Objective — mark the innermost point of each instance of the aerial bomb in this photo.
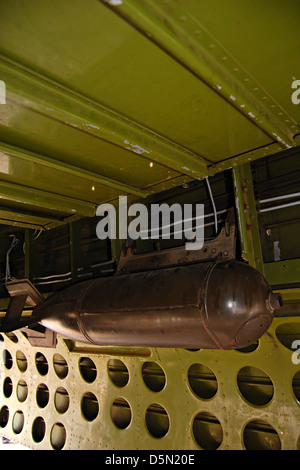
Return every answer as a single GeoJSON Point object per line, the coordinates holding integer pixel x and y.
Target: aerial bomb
{"type": "Point", "coordinates": [209, 305]}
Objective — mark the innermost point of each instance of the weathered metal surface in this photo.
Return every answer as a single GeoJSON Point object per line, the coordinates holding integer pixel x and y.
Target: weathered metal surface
{"type": "Point", "coordinates": [221, 247]}
{"type": "Point", "coordinates": [233, 399]}
{"type": "Point", "coordinates": [149, 95]}
{"type": "Point", "coordinates": [221, 393]}
{"type": "Point", "coordinates": [209, 305]}
{"type": "Point", "coordinates": [178, 30]}
{"type": "Point", "coordinates": [247, 217]}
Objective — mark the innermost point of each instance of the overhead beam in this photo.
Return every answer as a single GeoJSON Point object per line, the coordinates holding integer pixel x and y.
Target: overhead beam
{"type": "Point", "coordinates": [33, 220]}
{"type": "Point", "coordinates": [39, 93]}
{"type": "Point", "coordinates": [16, 222]}
{"type": "Point", "coordinates": [31, 197]}
{"type": "Point", "coordinates": [70, 169]}
{"type": "Point", "coordinates": [182, 36]}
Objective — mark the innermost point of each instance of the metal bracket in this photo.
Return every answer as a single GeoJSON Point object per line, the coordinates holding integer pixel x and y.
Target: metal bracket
{"type": "Point", "coordinates": [22, 292]}
{"type": "Point", "coordinates": [247, 217]}
{"type": "Point", "coordinates": [221, 247]}
{"type": "Point", "coordinates": [40, 336]}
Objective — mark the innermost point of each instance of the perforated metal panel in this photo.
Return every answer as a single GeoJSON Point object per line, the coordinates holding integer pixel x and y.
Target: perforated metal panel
{"type": "Point", "coordinates": [74, 397]}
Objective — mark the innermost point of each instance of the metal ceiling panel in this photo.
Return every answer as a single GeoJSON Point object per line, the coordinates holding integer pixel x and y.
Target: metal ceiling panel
{"type": "Point", "coordinates": [106, 98]}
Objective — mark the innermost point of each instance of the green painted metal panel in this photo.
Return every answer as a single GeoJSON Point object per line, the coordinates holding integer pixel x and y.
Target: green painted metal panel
{"type": "Point", "coordinates": [137, 96]}
{"type": "Point", "coordinates": [128, 398]}
{"type": "Point", "coordinates": [283, 272]}
{"type": "Point", "coordinates": [155, 399]}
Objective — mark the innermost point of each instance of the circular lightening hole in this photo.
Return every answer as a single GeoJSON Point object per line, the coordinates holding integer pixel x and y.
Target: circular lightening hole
{"type": "Point", "coordinates": [202, 381]}
{"type": "Point", "coordinates": [7, 359]}
{"type": "Point", "coordinates": [255, 385]}
{"type": "Point", "coordinates": [18, 422]}
{"type": "Point", "coordinates": [38, 429]}
{"type": "Point", "coordinates": [260, 435]}
{"type": "Point", "coordinates": [12, 336]}
{"type": "Point", "coordinates": [4, 416]}
{"type": "Point", "coordinates": [118, 372]}
{"type": "Point", "coordinates": [42, 395]}
{"type": "Point", "coordinates": [89, 406]}
{"type": "Point", "coordinates": [61, 400]}
{"type": "Point", "coordinates": [41, 363]}
{"type": "Point", "coordinates": [207, 431]}
{"type": "Point", "coordinates": [287, 334]}
{"type": "Point", "coordinates": [7, 387]}
{"type": "Point", "coordinates": [87, 369]}
{"type": "Point", "coordinates": [247, 349]}
{"type": "Point", "coordinates": [21, 361]}
{"type": "Point", "coordinates": [58, 436]}
{"type": "Point", "coordinates": [121, 413]}
{"type": "Point", "coordinates": [154, 376]}
{"type": "Point", "coordinates": [60, 366]}
{"type": "Point", "coordinates": [22, 390]}
{"type": "Point", "coordinates": [157, 420]}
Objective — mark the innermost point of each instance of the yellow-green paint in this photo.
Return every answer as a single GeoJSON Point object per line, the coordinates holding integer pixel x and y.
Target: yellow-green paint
{"type": "Point", "coordinates": [106, 100]}
{"type": "Point", "coordinates": [137, 97]}
{"type": "Point", "coordinates": [247, 217]}
{"type": "Point", "coordinates": [197, 399]}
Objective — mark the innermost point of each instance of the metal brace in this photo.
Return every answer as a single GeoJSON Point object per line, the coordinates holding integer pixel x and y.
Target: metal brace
{"type": "Point", "coordinates": [221, 247]}
{"type": "Point", "coordinates": [22, 292]}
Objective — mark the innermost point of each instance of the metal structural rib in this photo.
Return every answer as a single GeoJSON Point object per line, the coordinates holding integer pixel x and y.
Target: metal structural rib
{"type": "Point", "coordinates": [173, 28]}
{"type": "Point", "coordinates": [37, 92]}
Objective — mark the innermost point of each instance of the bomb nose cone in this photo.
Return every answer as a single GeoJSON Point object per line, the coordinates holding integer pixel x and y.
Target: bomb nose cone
{"type": "Point", "coordinates": [239, 304]}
